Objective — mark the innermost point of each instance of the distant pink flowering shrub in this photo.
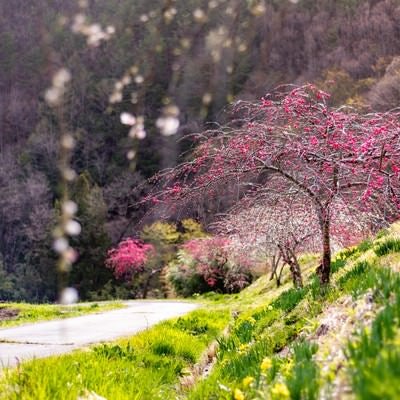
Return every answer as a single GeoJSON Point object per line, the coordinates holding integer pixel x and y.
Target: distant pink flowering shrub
{"type": "Point", "coordinates": [206, 264]}
{"type": "Point", "coordinates": [128, 257]}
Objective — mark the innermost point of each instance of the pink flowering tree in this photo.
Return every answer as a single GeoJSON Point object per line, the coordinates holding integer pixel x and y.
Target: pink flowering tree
{"type": "Point", "coordinates": [293, 143]}
{"type": "Point", "coordinates": [132, 258]}
{"type": "Point", "coordinates": [206, 264]}
{"type": "Point", "coordinates": [278, 227]}
{"type": "Point", "coordinates": [211, 258]}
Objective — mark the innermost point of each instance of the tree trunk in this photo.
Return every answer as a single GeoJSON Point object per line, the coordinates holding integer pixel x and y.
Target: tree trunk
{"type": "Point", "coordinates": [275, 265]}
{"type": "Point", "coordinates": [166, 288]}
{"type": "Point", "coordinates": [295, 268]}
{"type": "Point", "coordinates": [289, 257]}
{"type": "Point", "coordinates": [148, 280]}
{"type": "Point", "coordinates": [146, 286]}
{"type": "Point", "coordinates": [279, 276]}
{"type": "Point", "coordinates": [296, 274]}
{"type": "Point", "coordinates": [324, 270]}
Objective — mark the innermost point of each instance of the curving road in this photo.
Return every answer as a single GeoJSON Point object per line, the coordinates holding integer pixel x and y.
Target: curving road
{"type": "Point", "coordinates": [43, 339]}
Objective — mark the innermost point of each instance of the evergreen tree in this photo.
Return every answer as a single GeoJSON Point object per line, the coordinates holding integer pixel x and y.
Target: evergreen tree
{"type": "Point", "coordinates": [88, 273]}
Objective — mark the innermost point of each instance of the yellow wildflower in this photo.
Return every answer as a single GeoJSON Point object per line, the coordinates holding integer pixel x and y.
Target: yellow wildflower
{"type": "Point", "coordinates": [243, 347]}
{"type": "Point", "coordinates": [238, 394]}
{"type": "Point", "coordinates": [248, 381]}
{"type": "Point", "coordinates": [266, 364]}
{"type": "Point", "coordinates": [280, 391]}
{"type": "Point", "coordinates": [287, 368]}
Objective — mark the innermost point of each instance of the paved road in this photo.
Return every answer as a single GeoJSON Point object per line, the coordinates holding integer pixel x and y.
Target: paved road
{"type": "Point", "coordinates": [61, 336]}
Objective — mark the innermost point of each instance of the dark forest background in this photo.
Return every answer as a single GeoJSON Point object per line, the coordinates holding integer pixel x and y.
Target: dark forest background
{"type": "Point", "coordinates": [236, 50]}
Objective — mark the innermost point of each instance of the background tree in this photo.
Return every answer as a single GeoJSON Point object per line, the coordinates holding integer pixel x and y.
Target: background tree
{"type": "Point", "coordinates": [145, 263]}
{"type": "Point", "coordinates": [164, 237]}
{"type": "Point", "coordinates": [385, 94]}
{"type": "Point", "coordinates": [130, 259]}
{"type": "Point", "coordinates": [88, 274]}
{"type": "Point", "coordinates": [277, 226]}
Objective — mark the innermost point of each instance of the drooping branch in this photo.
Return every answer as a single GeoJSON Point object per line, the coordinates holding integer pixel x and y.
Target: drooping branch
{"type": "Point", "coordinates": [293, 144]}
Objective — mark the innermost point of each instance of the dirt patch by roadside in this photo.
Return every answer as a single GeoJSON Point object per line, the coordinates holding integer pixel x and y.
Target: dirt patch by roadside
{"type": "Point", "coordinates": [7, 313]}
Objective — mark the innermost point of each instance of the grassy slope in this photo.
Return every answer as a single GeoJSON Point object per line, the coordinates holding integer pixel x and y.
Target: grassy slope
{"type": "Point", "coordinates": [29, 313]}
{"type": "Point", "coordinates": [342, 342]}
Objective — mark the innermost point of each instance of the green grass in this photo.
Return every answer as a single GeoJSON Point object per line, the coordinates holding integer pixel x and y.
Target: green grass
{"type": "Point", "coordinates": [146, 366]}
{"type": "Point", "coordinates": [269, 351]}
{"type": "Point", "coordinates": [29, 313]}
{"type": "Point", "coordinates": [302, 381]}
{"type": "Point", "coordinates": [289, 299]}
{"type": "Point", "coordinates": [276, 322]}
{"type": "Point", "coordinates": [374, 355]}
{"type": "Point", "coordinates": [391, 245]}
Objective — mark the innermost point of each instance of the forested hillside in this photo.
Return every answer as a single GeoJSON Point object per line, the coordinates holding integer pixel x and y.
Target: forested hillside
{"type": "Point", "coordinates": [143, 57]}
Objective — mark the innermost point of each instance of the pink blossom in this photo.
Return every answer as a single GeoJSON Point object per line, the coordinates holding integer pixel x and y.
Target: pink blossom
{"type": "Point", "coordinates": [129, 256]}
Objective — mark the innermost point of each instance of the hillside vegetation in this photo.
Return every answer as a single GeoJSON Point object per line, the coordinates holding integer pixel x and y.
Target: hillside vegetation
{"type": "Point", "coordinates": [315, 342]}
{"type": "Point", "coordinates": [200, 56]}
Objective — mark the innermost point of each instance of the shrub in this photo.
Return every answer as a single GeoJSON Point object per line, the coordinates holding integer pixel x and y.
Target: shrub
{"type": "Point", "coordinates": [204, 265]}
{"type": "Point", "coordinates": [186, 281]}
{"type": "Point", "coordinates": [130, 256]}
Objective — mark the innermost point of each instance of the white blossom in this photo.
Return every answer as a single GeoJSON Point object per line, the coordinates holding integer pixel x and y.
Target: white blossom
{"type": "Point", "coordinates": [69, 208]}
{"type": "Point", "coordinates": [168, 125]}
{"type": "Point", "coordinates": [72, 228]}
{"type": "Point", "coordinates": [60, 245]}
{"type": "Point", "coordinates": [68, 142]}
{"type": "Point", "coordinates": [127, 119]}
{"type": "Point", "coordinates": [69, 295]}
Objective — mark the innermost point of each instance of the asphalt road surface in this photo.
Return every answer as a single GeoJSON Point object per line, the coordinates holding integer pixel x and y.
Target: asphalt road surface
{"type": "Point", "coordinates": [43, 339]}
